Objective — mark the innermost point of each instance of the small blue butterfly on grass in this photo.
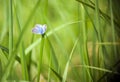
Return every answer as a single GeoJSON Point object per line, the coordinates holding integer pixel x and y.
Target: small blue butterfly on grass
{"type": "Point", "coordinates": [39, 29]}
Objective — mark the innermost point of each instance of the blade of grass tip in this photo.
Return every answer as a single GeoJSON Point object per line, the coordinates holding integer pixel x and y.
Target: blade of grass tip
{"type": "Point", "coordinates": [22, 54]}
{"type": "Point", "coordinates": [97, 68]}
{"type": "Point", "coordinates": [40, 58]}
{"type": "Point", "coordinates": [13, 55]}
{"type": "Point", "coordinates": [111, 68]}
{"type": "Point", "coordinates": [68, 62]}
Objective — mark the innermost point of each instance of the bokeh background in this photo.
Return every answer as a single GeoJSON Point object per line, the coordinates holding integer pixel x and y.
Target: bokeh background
{"type": "Point", "coordinates": [81, 43]}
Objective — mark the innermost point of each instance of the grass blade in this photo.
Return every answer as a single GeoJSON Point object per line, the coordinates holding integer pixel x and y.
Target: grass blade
{"type": "Point", "coordinates": [97, 68]}
{"type": "Point", "coordinates": [60, 78]}
{"type": "Point", "coordinates": [13, 55]}
{"type": "Point", "coordinates": [40, 58]}
{"type": "Point", "coordinates": [68, 62]}
{"type": "Point", "coordinates": [11, 27]}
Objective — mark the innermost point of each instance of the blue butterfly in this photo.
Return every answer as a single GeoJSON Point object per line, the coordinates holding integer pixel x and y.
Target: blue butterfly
{"type": "Point", "coordinates": [39, 29]}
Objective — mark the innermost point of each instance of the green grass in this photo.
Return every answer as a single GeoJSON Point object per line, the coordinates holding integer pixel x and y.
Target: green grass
{"type": "Point", "coordinates": [81, 43]}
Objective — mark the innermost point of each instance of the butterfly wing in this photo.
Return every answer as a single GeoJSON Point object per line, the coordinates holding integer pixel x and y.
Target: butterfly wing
{"type": "Point", "coordinates": [44, 27]}
{"type": "Point", "coordinates": [37, 29]}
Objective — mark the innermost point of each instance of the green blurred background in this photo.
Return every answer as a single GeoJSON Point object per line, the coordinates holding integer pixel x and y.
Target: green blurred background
{"type": "Point", "coordinates": [81, 42]}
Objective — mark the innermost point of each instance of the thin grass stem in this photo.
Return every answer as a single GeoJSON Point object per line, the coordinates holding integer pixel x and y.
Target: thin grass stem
{"type": "Point", "coordinates": [40, 58]}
